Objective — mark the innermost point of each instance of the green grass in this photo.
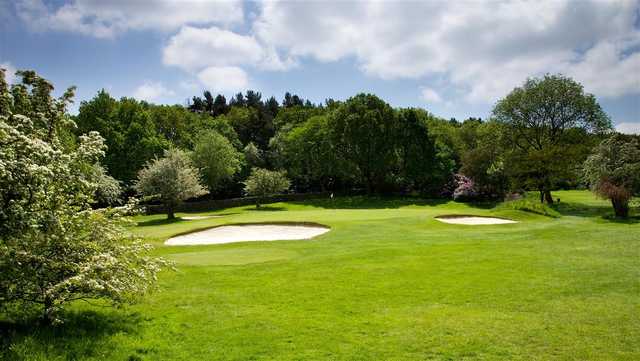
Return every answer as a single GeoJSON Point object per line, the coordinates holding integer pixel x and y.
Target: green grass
{"type": "Point", "coordinates": [388, 282]}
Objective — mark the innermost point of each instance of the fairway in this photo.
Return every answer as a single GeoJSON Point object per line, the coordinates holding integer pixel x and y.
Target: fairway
{"type": "Point", "coordinates": [388, 282]}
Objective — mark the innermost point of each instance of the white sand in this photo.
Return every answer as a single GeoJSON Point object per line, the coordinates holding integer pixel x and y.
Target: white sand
{"type": "Point", "coordinates": [473, 220]}
{"type": "Point", "coordinates": [247, 233]}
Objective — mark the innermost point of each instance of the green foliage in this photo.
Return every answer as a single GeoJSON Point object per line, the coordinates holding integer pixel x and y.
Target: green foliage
{"type": "Point", "coordinates": [108, 190]}
{"type": "Point", "coordinates": [481, 157]}
{"type": "Point", "coordinates": [251, 125]}
{"type": "Point", "coordinates": [293, 116]}
{"type": "Point", "coordinates": [171, 179]}
{"type": "Point", "coordinates": [613, 171]}
{"type": "Point", "coordinates": [361, 130]}
{"type": "Point", "coordinates": [216, 158]}
{"type": "Point", "coordinates": [129, 130]}
{"type": "Point", "coordinates": [53, 247]}
{"type": "Point", "coordinates": [547, 123]}
{"type": "Point", "coordinates": [422, 166]}
{"type": "Point", "coordinates": [531, 206]}
{"type": "Point", "coordinates": [253, 156]}
{"type": "Point", "coordinates": [262, 183]}
{"type": "Point", "coordinates": [310, 155]}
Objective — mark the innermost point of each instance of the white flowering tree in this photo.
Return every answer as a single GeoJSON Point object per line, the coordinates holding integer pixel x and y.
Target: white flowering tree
{"type": "Point", "coordinates": [263, 183]}
{"type": "Point", "coordinates": [171, 179]}
{"type": "Point", "coordinates": [53, 247]}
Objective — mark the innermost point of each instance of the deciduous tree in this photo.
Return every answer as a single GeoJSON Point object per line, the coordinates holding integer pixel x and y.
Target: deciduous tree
{"type": "Point", "coordinates": [263, 183]}
{"type": "Point", "coordinates": [54, 248]}
{"type": "Point", "coordinates": [547, 122]}
{"type": "Point", "coordinates": [171, 179]}
{"type": "Point", "coordinates": [216, 158]}
{"type": "Point", "coordinates": [613, 171]}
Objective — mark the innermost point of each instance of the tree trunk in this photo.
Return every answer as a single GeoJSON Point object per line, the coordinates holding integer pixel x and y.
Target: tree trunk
{"type": "Point", "coordinates": [170, 212]}
{"type": "Point", "coordinates": [257, 203]}
{"type": "Point", "coordinates": [541, 195]}
{"type": "Point", "coordinates": [46, 311]}
{"type": "Point", "coordinates": [547, 196]}
{"type": "Point", "coordinates": [620, 207]}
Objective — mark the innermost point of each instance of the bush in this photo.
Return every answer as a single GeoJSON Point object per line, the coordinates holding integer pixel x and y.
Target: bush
{"type": "Point", "coordinates": [263, 183]}
{"type": "Point", "coordinates": [171, 179]}
{"type": "Point", "coordinates": [465, 189]}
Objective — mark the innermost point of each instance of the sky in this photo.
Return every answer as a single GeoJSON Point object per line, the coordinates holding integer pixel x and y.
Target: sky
{"type": "Point", "coordinates": [453, 58]}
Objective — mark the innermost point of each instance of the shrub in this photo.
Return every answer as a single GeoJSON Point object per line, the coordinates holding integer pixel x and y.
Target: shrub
{"type": "Point", "coordinates": [613, 171]}
{"type": "Point", "coordinates": [171, 179]}
{"type": "Point", "coordinates": [53, 247]}
{"type": "Point", "coordinates": [465, 189]}
{"type": "Point", "coordinates": [262, 183]}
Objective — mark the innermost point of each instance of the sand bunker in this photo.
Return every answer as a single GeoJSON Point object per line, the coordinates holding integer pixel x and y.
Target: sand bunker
{"type": "Point", "coordinates": [473, 220]}
{"type": "Point", "coordinates": [247, 233]}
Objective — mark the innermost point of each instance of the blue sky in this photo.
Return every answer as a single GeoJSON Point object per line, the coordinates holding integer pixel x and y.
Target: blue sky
{"type": "Point", "coordinates": [453, 58]}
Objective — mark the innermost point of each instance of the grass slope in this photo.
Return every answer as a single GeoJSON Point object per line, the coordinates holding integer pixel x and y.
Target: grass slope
{"type": "Point", "coordinates": [388, 282]}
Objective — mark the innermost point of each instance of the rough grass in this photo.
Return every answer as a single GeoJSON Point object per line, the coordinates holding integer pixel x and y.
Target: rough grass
{"type": "Point", "coordinates": [388, 282]}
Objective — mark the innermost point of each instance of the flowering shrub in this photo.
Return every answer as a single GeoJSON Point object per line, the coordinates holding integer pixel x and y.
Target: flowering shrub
{"type": "Point", "coordinates": [465, 190]}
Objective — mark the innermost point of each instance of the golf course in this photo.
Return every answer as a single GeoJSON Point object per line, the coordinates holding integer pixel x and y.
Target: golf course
{"type": "Point", "coordinates": [387, 282]}
{"type": "Point", "coordinates": [319, 180]}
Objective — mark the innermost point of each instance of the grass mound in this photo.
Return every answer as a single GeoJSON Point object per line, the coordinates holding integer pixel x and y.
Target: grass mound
{"type": "Point", "coordinates": [530, 206]}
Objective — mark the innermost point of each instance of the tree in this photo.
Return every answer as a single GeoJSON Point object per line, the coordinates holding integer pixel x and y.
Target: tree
{"type": "Point", "coordinates": [481, 159]}
{"type": "Point", "coordinates": [219, 106]}
{"type": "Point", "coordinates": [360, 131]}
{"type": "Point", "coordinates": [547, 122]}
{"type": "Point", "coordinates": [251, 126]}
{"type": "Point", "coordinates": [613, 171]}
{"type": "Point", "coordinates": [216, 158]}
{"type": "Point", "coordinates": [171, 179]}
{"type": "Point", "coordinates": [310, 154]}
{"type": "Point", "coordinates": [108, 189]}
{"type": "Point", "coordinates": [253, 156]}
{"type": "Point", "coordinates": [263, 183]}
{"type": "Point", "coordinates": [208, 101]}
{"type": "Point", "coordinates": [290, 117]}
{"type": "Point", "coordinates": [272, 106]}
{"type": "Point", "coordinates": [131, 135]}
{"type": "Point", "coordinates": [54, 248]}
{"type": "Point", "coordinates": [420, 166]}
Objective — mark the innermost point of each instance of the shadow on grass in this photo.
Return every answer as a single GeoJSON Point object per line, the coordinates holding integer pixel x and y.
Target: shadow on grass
{"type": "Point", "coordinates": [594, 211]}
{"type": "Point", "coordinates": [158, 222]}
{"type": "Point", "coordinates": [266, 208]}
{"type": "Point", "coordinates": [368, 202]}
{"type": "Point", "coordinates": [383, 202]}
{"type": "Point", "coordinates": [82, 335]}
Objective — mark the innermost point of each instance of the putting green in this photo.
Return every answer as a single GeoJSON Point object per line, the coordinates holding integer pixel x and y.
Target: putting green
{"type": "Point", "coordinates": [231, 257]}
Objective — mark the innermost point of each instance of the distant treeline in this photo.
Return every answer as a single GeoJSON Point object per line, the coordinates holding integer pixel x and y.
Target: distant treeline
{"type": "Point", "coordinates": [361, 143]}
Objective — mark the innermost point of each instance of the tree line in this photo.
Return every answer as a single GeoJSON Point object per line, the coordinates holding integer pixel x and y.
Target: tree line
{"type": "Point", "coordinates": [537, 138]}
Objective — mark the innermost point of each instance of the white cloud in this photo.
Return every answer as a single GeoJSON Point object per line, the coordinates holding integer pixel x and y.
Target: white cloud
{"type": "Point", "coordinates": [628, 128]}
{"type": "Point", "coordinates": [605, 70]}
{"type": "Point", "coordinates": [215, 56]}
{"type": "Point", "coordinates": [481, 48]}
{"type": "Point", "coordinates": [193, 49]}
{"type": "Point", "coordinates": [430, 95]}
{"type": "Point", "coordinates": [224, 79]}
{"type": "Point", "coordinates": [104, 19]}
{"type": "Point", "coordinates": [10, 72]}
{"type": "Point", "coordinates": [152, 91]}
